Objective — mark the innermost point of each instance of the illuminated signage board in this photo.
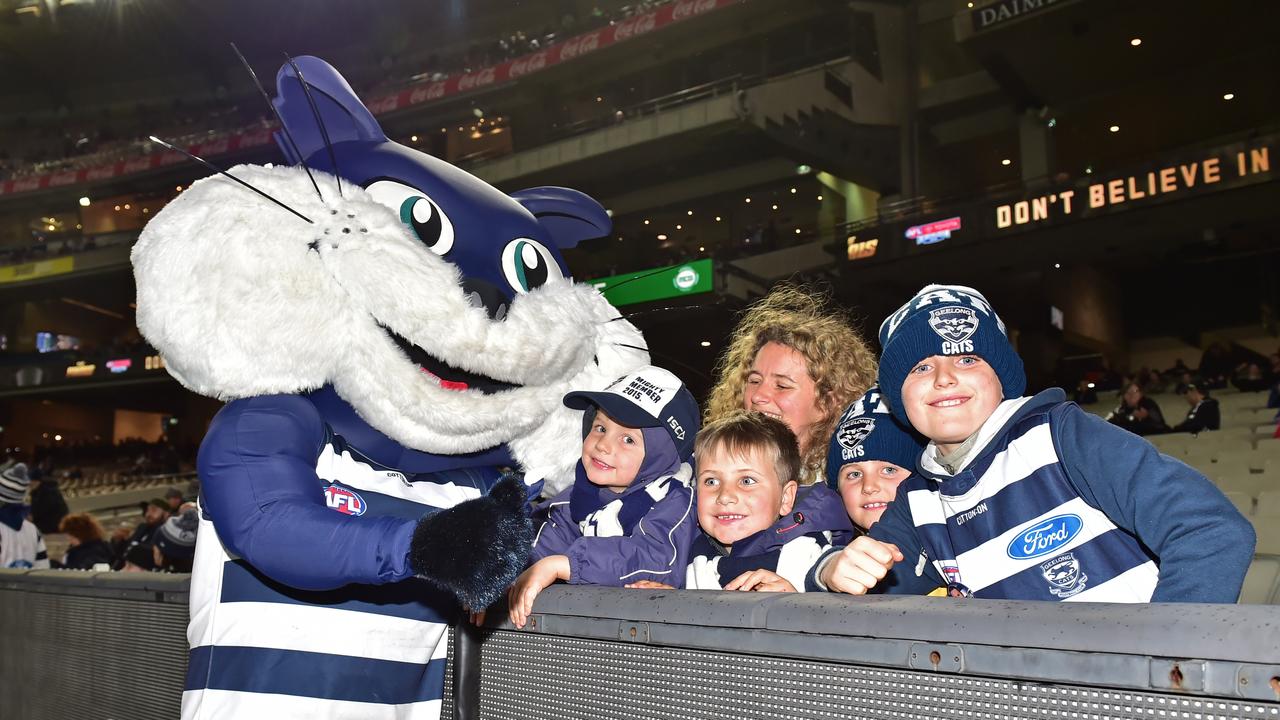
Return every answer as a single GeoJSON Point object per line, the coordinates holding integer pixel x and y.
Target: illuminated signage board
{"type": "Point", "coordinates": [1004, 11]}
{"type": "Point", "coordinates": [861, 249]}
{"type": "Point", "coordinates": [80, 369]}
{"type": "Point", "coordinates": [1227, 166]}
{"type": "Point", "coordinates": [934, 232]}
{"type": "Point", "coordinates": [153, 362]}
{"type": "Point", "coordinates": [657, 284]}
{"type": "Point", "coordinates": [119, 366]}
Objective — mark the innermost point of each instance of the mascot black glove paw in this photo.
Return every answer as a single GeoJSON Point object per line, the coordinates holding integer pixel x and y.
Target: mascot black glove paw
{"type": "Point", "coordinates": [477, 548]}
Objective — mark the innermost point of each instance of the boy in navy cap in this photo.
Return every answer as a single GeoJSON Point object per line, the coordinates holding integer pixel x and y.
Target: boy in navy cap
{"type": "Point", "coordinates": [629, 515]}
{"type": "Point", "coordinates": [870, 454]}
{"type": "Point", "coordinates": [1028, 498]}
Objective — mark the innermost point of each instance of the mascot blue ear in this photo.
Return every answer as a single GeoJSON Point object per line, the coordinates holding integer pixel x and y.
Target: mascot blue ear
{"type": "Point", "coordinates": [344, 116]}
{"type": "Point", "coordinates": [568, 215]}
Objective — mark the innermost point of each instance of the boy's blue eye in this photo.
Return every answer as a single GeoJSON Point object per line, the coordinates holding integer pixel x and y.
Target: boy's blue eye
{"type": "Point", "coordinates": [748, 480]}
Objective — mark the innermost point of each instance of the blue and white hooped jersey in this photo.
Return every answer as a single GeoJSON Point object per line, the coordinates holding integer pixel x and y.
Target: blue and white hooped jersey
{"type": "Point", "coordinates": [255, 649]}
{"type": "Point", "coordinates": [1018, 528]}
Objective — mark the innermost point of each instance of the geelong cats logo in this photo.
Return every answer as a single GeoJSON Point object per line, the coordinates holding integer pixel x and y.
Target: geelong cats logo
{"type": "Point", "coordinates": [955, 325]}
{"type": "Point", "coordinates": [1064, 576]}
{"type": "Point", "coordinates": [851, 435]}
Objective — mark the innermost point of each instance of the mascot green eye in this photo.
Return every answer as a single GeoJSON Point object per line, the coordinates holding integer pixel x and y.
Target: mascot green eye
{"type": "Point", "coordinates": [528, 264]}
{"type": "Point", "coordinates": [418, 212]}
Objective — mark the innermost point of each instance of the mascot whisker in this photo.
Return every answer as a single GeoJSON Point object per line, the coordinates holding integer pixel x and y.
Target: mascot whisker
{"type": "Point", "coordinates": [385, 348]}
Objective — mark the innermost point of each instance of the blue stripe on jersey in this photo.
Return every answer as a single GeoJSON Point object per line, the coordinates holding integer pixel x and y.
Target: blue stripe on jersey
{"type": "Point", "coordinates": [412, 599]}
{"type": "Point", "coordinates": [317, 675]}
{"type": "Point", "coordinates": [1014, 506]}
{"type": "Point", "coordinates": [1097, 561]}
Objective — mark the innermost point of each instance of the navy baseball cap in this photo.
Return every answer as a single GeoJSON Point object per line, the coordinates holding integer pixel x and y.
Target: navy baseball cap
{"type": "Point", "coordinates": [647, 397]}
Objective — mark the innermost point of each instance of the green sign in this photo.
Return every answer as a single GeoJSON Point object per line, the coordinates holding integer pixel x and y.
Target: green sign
{"type": "Point", "coordinates": [656, 283]}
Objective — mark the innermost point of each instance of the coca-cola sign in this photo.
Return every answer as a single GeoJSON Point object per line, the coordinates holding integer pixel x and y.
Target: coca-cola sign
{"type": "Point", "coordinates": [66, 178]}
{"type": "Point", "coordinates": [384, 105]}
{"type": "Point", "coordinates": [580, 45]}
{"type": "Point", "coordinates": [137, 165]}
{"type": "Point", "coordinates": [476, 79]}
{"type": "Point", "coordinates": [689, 8]}
{"type": "Point", "coordinates": [100, 173]}
{"type": "Point", "coordinates": [528, 64]}
{"type": "Point", "coordinates": [638, 25]}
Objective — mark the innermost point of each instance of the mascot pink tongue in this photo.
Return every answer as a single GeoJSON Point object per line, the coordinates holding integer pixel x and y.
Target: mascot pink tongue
{"type": "Point", "coordinates": [384, 349]}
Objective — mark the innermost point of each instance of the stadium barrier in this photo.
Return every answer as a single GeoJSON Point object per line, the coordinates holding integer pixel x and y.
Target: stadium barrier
{"type": "Point", "coordinates": [112, 645]}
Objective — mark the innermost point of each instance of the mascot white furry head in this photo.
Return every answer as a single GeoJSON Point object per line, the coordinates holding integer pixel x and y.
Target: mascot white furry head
{"type": "Point", "coordinates": [434, 304]}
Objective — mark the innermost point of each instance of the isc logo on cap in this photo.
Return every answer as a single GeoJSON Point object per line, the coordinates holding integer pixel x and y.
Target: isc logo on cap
{"type": "Point", "coordinates": [344, 501]}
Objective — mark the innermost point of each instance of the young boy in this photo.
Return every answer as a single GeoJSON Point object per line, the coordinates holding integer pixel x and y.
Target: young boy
{"type": "Point", "coordinates": [760, 529]}
{"type": "Point", "coordinates": [1028, 498]}
{"type": "Point", "coordinates": [21, 544]}
{"type": "Point", "coordinates": [870, 454]}
{"type": "Point", "coordinates": [629, 515]}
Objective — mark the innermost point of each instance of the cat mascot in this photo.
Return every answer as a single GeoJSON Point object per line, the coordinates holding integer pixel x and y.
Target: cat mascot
{"type": "Point", "coordinates": [388, 332]}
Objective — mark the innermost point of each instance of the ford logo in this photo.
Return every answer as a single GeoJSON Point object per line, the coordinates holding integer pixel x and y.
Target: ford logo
{"type": "Point", "coordinates": [1044, 537]}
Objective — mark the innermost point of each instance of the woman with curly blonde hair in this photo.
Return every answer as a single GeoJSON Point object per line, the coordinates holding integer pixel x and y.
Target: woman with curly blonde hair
{"type": "Point", "coordinates": [795, 358]}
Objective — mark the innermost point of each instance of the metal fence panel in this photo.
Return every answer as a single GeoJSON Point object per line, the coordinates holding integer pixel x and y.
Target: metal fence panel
{"type": "Point", "coordinates": [529, 677]}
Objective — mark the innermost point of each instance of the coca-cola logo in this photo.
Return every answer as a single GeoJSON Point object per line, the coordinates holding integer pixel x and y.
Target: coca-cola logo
{"type": "Point", "coordinates": [386, 104]}
{"type": "Point", "coordinates": [476, 79]}
{"type": "Point", "coordinates": [690, 8]}
{"type": "Point", "coordinates": [580, 46]}
{"type": "Point", "coordinates": [419, 94]}
{"type": "Point", "coordinates": [100, 173]}
{"type": "Point", "coordinates": [435, 90]}
{"type": "Point", "coordinates": [25, 185]}
{"type": "Point", "coordinates": [66, 178]}
{"type": "Point", "coordinates": [635, 26]}
{"type": "Point", "coordinates": [528, 64]}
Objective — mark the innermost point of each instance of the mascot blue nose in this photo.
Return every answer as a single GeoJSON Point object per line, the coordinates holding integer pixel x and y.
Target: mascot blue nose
{"type": "Point", "coordinates": [486, 295]}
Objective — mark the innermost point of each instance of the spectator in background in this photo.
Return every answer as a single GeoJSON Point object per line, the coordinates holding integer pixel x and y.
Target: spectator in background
{"type": "Point", "coordinates": [139, 558]}
{"type": "Point", "coordinates": [1138, 413]}
{"type": "Point", "coordinates": [1249, 378]}
{"type": "Point", "coordinates": [155, 513]}
{"type": "Point", "coordinates": [1204, 413]}
{"type": "Point", "coordinates": [47, 505]}
{"type": "Point", "coordinates": [21, 544]}
{"type": "Point", "coordinates": [173, 496]}
{"type": "Point", "coordinates": [119, 543]}
{"type": "Point", "coordinates": [88, 546]}
{"type": "Point", "coordinates": [174, 545]}
{"type": "Point", "coordinates": [1215, 366]}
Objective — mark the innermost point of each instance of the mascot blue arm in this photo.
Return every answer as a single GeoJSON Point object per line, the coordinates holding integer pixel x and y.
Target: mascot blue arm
{"type": "Point", "coordinates": [406, 331]}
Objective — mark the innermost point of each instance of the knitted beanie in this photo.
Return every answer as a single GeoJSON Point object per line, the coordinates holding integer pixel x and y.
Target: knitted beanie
{"type": "Point", "coordinates": [868, 432]}
{"type": "Point", "coordinates": [13, 484]}
{"type": "Point", "coordinates": [176, 538]}
{"type": "Point", "coordinates": [945, 320]}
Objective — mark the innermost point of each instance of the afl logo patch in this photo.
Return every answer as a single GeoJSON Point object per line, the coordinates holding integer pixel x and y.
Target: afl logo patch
{"type": "Point", "coordinates": [344, 501]}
